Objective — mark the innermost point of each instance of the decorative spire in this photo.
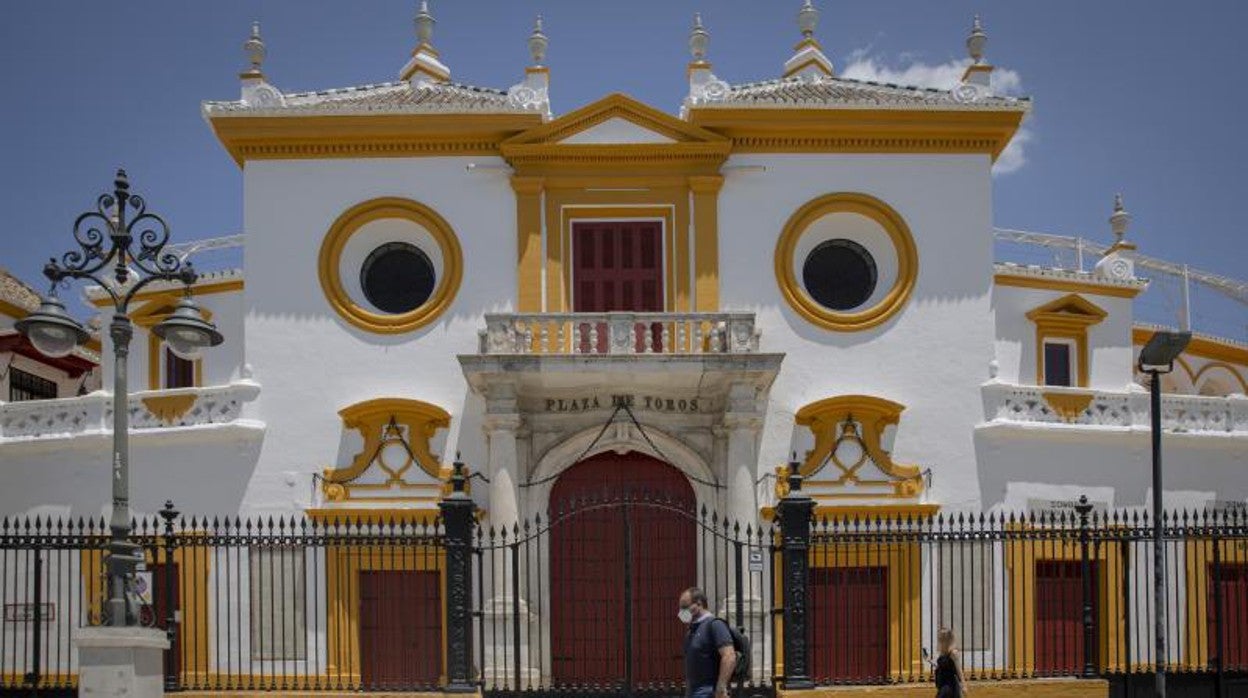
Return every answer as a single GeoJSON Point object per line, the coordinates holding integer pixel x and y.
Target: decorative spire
{"type": "Point", "coordinates": [808, 19]}
{"type": "Point", "coordinates": [424, 25]}
{"type": "Point", "coordinates": [253, 48]}
{"type": "Point", "coordinates": [1119, 221]}
{"type": "Point", "coordinates": [809, 61]}
{"type": "Point", "coordinates": [978, 73]}
{"type": "Point", "coordinates": [698, 39]}
{"type": "Point", "coordinates": [538, 43]}
{"type": "Point", "coordinates": [424, 67]}
{"type": "Point", "coordinates": [976, 41]}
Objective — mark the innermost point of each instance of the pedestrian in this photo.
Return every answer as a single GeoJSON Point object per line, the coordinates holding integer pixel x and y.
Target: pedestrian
{"type": "Point", "coordinates": [950, 683]}
{"type": "Point", "coordinates": [709, 654]}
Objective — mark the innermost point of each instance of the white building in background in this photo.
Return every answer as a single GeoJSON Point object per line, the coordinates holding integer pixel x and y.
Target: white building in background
{"type": "Point", "coordinates": [797, 266]}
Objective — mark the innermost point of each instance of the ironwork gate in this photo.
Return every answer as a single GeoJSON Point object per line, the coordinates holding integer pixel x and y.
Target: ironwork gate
{"type": "Point", "coordinates": [583, 601]}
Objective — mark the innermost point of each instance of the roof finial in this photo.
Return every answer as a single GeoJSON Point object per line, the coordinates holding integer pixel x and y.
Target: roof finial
{"type": "Point", "coordinates": [808, 19]}
{"type": "Point", "coordinates": [976, 41]}
{"type": "Point", "coordinates": [1119, 221]}
{"type": "Point", "coordinates": [424, 24]}
{"type": "Point", "coordinates": [698, 39]}
{"type": "Point", "coordinates": [538, 43]}
{"type": "Point", "coordinates": [253, 48]}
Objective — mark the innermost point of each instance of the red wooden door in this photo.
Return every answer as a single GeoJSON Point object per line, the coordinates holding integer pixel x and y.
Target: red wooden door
{"type": "Point", "coordinates": [157, 613]}
{"type": "Point", "coordinates": [1232, 582]}
{"type": "Point", "coordinates": [618, 565]}
{"type": "Point", "coordinates": [618, 266]}
{"type": "Point", "coordinates": [400, 629]}
{"type": "Point", "coordinates": [1059, 616]}
{"type": "Point", "coordinates": [849, 624]}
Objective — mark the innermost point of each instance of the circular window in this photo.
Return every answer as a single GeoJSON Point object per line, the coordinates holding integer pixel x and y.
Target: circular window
{"type": "Point", "coordinates": [397, 277]}
{"type": "Point", "coordinates": [839, 274]}
{"type": "Point", "coordinates": [846, 262]}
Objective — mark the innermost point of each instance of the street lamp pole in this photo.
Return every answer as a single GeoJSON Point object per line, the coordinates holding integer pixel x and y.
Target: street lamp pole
{"type": "Point", "coordinates": [1156, 358]}
{"type": "Point", "coordinates": [106, 240]}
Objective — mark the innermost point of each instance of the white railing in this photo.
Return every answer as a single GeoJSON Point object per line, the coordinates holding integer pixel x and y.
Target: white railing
{"type": "Point", "coordinates": [619, 333]}
{"type": "Point", "coordinates": [151, 409]}
{"type": "Point", "coordinates": [1031, 404]}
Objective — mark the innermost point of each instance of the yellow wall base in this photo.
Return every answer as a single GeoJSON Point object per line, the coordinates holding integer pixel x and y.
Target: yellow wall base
{"type": "Point", "coordinates": [317, 694]}
{"type": "Point", "coordinates": [1033, 688]}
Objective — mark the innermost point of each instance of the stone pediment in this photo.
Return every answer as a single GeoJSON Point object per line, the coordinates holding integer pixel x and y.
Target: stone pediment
{"type": "Point", "coordinates": [616, 119]}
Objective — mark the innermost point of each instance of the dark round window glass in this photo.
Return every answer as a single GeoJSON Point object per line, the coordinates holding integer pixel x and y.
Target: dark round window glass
{"type": "Point", "coordinates": [397, 277]}
{"type": "Point", "coordinates": [839, 274]}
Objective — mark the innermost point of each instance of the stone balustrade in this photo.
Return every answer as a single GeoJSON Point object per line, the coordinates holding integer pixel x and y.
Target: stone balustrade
{"type": "Point", "coordinates": [619, 333]}
{"type": "Point", "coordinates": [151, 409]}
{"type": "Point", "coordinates": [1029, 404]}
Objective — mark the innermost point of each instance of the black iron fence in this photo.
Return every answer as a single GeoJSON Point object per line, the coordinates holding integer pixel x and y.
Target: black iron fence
{"type": "Point", "coordinates": [582, 600]}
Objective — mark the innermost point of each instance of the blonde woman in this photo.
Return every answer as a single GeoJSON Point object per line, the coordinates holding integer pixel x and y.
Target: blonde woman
{"type": "Point", "coordinates": [950, 683]}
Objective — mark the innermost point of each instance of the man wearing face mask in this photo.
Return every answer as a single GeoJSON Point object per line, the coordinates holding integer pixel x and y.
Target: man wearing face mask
{"type": "Point", "coordinates": [709, 655]}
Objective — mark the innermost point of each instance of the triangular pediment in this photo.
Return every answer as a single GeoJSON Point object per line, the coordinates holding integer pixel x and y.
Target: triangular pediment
{"type": "Point", "coordinates": [616, 119]}
{"type": "Point", "coordinates": [1071, 306]}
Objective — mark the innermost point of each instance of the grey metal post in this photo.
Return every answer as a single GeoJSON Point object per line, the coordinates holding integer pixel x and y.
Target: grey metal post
{"type": "Point", "coordinates": [794, 512]}
{"type": "Point", "coordinates": [1159, 553]}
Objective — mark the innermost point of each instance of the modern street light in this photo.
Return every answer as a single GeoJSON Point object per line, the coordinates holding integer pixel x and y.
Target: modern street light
{"type": "Point", "coordinates": [106, 238]}
{"type": "Point", "coordinates": [1156, 358]}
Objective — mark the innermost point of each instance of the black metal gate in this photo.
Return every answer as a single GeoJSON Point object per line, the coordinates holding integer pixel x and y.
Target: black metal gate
{"type": "Point", "coordinates": [583, 601]}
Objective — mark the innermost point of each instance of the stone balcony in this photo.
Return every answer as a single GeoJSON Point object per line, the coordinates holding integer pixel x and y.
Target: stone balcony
{"type": "Point", "coordinates": [1006, 404]}
{"type": "Point", "coordinates": [149, 410]}
{"type": "Point", "coordinates": [619, 333]}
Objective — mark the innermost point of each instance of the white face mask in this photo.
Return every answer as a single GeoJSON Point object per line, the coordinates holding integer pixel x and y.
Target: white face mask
{"type": "Point", "coordinates": [685, 615]}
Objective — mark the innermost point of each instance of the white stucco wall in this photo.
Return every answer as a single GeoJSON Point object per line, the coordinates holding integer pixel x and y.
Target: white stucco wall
{"type": "Point", "coordinates": [930, 357]}
{"type": "Point", "coordinates": [1109, 341]}
{"type": "Point", "coordinates": [313, 363]}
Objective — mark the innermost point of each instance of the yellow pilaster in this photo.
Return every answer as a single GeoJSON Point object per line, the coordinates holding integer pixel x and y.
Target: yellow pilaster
{"type": "Point", "coordinates": [528, 243]}
{"type": "Point", "coordinates": [705, 191]}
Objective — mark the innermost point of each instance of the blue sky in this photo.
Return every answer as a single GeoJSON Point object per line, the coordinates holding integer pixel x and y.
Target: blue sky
{"type": "Point", "coordinates": [1131, 96]}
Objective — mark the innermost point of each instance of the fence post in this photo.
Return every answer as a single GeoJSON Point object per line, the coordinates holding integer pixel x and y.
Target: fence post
{"type": "Point", "coordinates": [34, 676]}
{"type": "Point", "coordinates": [169, 543]}
{"type": "Point", "coordinates": [795, 513]}
{"type": "Point", "coordinates": [1089, 634]}
{"type": "Point", "coordinates": [457, 520]}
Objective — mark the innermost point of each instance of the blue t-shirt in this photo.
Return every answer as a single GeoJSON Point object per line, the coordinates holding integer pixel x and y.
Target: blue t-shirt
{"type": "Point", "coordinates": [702, 644]}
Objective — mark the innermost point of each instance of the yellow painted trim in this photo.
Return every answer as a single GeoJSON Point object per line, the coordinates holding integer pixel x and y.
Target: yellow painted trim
{"type": "Point", "coordinates": [370, 417]}
{"type": "Point", "coordinates": [806, 64]}
{"type": "Point", "coordinates": [366, 212]}
{"type": "Point", "coordinates": [1213, 365]}
{"type": "Point", "coordinates": [706, 241]}
{"type": "Point", "coordinates": [177, 293]}
{"type": "Point", "coordinates": [866, 512]}
{"type": "Point", "coordinates": [159, 305]}
{"type": "Point", "coordinates": [1198, 558]}
{"type": "Point", "coordinates": [13, 311]}
{"type": "Point", "coordinates": [1204, 347]}
{"type": "Point", "coordinates": [193, 563]}
{"type": "Point", "coordinates": [528, 243]}
{"type": "Point", "coordinates": [373, 516]}
{"type": "Point", "coordinates": [366, 136]}
{"type": "Point", "coordinates": [1065, 285]}
{"type": "Point", "coordinates": [815, 130]}
{"type": "Point", "coordinates": [169, 408]}
{"type": "Point", "coordinates": [826, 420]}
{"type": "Point", "coordinates": [1009, 688]}
{"type": "Point", "coordinates": [1068, 317]}
{"type": "Point", "coordinates": [1068, 406]}
{"type": "Point", "coordinates": [863, 205]}
{"type": "Point", "coordinates": [343, 563]}
{"type": "Point", "coordinates": [1021, 556]}
{"type": "Point", "coordinates": [621, 106]}
{"type": "Point", "coordinates": [905, 614]}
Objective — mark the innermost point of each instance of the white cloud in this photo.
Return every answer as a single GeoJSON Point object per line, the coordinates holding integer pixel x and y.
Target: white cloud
{"type": "Point", "coordinates": [944, 76]}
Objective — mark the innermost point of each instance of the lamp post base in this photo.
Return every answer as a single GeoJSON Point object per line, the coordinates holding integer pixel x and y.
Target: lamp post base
{"type": "Point", "coordinates": [117, 662]}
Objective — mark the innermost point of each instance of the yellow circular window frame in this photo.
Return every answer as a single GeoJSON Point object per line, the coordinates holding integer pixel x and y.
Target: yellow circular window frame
{"type": "Point", "coordinates": [366, 212]}
{"type": "Point", "coordinates": [898, 232]}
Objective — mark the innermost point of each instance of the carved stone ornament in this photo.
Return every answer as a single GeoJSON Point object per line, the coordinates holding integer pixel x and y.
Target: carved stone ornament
{"type": "Point", "coordinates": [848, 433]}
{"type": "Point", "coordinates": [396, 433]}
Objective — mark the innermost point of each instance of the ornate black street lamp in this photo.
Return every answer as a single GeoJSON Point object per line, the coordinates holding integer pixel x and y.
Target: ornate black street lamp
{"type": "Point", "coordinates": [106, 237]}
{"type": "Point", "coordinates": [1157, 357]}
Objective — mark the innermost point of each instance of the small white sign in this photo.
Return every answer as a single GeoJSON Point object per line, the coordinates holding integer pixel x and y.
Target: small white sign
{"type": "Point", "coordinates": [143, 586]}
{"type": "Point", "coordinates": [1062, 505]}
{"type": "Point", "coordinates": [756, 561]}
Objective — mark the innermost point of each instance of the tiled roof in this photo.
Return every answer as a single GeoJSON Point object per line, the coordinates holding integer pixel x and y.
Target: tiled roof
{"type": "Point", "coordinates": [1039, 272]}
{"type": "Point", "coordinates": [843, 92]}
{"type": "Point", "coordinates": [17, 292]}
{"type": "Point", "coordinates": [390, 97]}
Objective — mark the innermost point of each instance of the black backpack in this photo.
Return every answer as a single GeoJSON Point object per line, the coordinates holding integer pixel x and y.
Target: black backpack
{"type": "Point", "coordinates": [741, 645]}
